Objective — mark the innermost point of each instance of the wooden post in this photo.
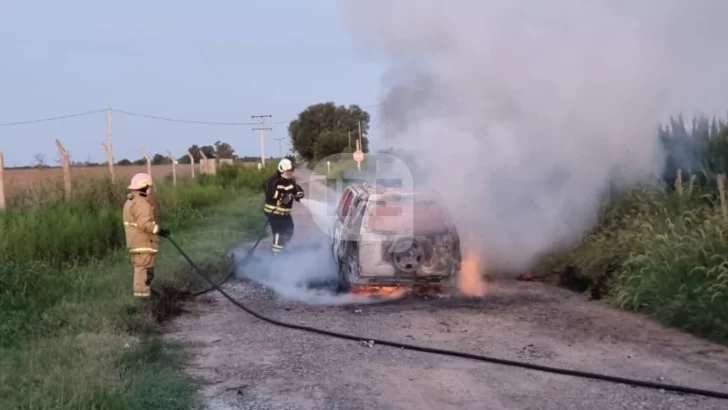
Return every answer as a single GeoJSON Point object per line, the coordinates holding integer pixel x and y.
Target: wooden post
{"type": "Point", "coordinates": [2, 181]}
{"type": "Point", "coordinates": [66, 170]}
{"type": "Point", "coordinates": [678, 182]}
{"type": "Point", "coordinates": [690, 186]}
{"type": "Point", "coordinates": [110, 160]}
{"type": "Point", "coordinates": [174, 168]}
{"type": "Point", "coordinates": [192, 163]}
{"type": "Point", "coordinates": [109, 147]}
{"type": "Point", "coordinates": [149, 161]}
{"type": "Point", "coordinates": [721, 189]}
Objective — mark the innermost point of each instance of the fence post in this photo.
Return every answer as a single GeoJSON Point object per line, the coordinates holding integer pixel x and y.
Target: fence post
{"type": "Point", "coordinates": [721, 189]}
{"type": "Point", "coordinates": [212, 166]}
{"type": "Point", "coordinates": [149, 161]}
{"type": "Point", "coordinates": [174, 168]}
{"type": "Point", "coordinates": [192, 163]}
{"type": "Point", "coordinates": [203, 163]}
{"type": "Point", "coordinates": [66, 170]}
{"type": "Point", "coordinates": [2, 181]}
{"type": "Point", "coordinates": [110, 160]}
{"type": "Point", "coordinates": [678, 182]}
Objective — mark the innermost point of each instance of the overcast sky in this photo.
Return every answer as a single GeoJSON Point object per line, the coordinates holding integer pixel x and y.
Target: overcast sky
{"type": "Point", "coordinates": [222, 60]}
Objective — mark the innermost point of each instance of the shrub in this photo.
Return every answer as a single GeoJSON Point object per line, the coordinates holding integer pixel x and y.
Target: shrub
{"type": "Point", "coordinates": [659, 250]}
{"type": "Point", "coordinates": [240, 176]}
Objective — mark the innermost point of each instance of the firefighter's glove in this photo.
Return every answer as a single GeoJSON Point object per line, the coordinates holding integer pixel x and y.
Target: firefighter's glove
{"type": "Point", "coordinates": [299, 195]}
{"type": "Point", "coordinates": [150, 276]}
{"type": "Point", "coordinates": [163, 232]}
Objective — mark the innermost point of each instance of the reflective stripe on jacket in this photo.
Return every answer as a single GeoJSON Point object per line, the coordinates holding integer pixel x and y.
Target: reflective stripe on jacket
{"type": "Point", "coordinates": [139, 224]}
{"type": "Point", "coordinates": [277, 189]}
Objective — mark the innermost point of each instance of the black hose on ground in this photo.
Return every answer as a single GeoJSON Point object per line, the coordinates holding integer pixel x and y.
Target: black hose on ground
{"type": "Point", "coordinates": [231, 268]}
{"type": "Point", "coordinates": [514, 363]}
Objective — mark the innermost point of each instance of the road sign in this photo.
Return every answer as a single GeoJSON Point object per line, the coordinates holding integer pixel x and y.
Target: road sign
{"type": "Point", "coordinates": [358, 156]}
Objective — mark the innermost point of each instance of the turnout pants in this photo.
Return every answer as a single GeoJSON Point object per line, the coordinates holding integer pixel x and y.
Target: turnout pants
{"type": "Point", "coordinates": [282, 228]}
{"type": "Point", "coordinates": [143, 272]}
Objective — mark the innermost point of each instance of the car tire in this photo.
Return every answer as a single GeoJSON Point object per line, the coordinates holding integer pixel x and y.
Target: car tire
{"type": "Point", "coordinates": [343, 285]}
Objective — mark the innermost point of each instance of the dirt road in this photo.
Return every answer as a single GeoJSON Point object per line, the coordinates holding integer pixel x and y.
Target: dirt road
{"type": "Point", "coordinates": [249, 364]}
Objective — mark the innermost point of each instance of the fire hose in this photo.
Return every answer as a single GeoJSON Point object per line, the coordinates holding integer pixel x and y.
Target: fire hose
{"type": "Point", "coordinates": [231, 268]}
{"type": "Point", "coordinates": [450, 353]}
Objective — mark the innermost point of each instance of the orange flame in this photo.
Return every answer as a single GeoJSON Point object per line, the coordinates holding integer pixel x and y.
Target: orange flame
{"type": "Point", "coordinates": [470, 281]}
{"type": "Point", "coordinates": [386, 292]}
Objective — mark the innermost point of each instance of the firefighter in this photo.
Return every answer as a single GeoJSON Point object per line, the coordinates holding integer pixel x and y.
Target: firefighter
{"type": "Point", "coordinates": [141, 233]}
{"type": "Point", "coordinates": [281, 190]}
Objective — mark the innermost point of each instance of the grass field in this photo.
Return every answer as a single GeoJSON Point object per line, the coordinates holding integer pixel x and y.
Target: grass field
{"type": "Point", "coordinates": [17, 180]}
{"type": "Point", "coordinates": [72, 335]}
{"type": "Point", "coordinates": [21, 178]}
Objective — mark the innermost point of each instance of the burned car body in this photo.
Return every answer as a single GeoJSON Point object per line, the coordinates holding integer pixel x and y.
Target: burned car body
{"type": "Point", "coordinates": [392, 238]}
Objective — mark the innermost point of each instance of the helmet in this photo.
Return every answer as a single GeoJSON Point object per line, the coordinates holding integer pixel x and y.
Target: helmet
{"type": "Point", "coordinates": [285, 165]}
{"type": "Point", "coordinates": [140, 181]}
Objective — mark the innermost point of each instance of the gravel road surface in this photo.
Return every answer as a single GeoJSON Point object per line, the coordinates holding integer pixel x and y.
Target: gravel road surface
{"type": "Point", "coordinates": [245, 363]}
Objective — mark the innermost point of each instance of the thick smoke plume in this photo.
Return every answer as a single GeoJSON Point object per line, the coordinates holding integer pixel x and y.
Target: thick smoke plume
{"type": "Point", "coordinates": [523, 114]}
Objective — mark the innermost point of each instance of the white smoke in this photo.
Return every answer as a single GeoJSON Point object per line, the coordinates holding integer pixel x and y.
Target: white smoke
{"type": "Point", "coordinates": [524, 113]}
{"type": "Point", "coordinates": [306, 274]}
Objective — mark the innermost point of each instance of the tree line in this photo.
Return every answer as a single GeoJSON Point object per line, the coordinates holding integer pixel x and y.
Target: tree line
{"type": "Point", "coordinates": [220, 149]}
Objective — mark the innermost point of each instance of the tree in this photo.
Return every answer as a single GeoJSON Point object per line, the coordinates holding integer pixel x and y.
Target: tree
{"type": "Point", "coordinates": [195, 151]}
{"type": "Point", "coordinates": [124, 162]}
{"type": "Point", "coordinates": [330, 143]}
{"type": "Point", "coordinates": [208, 150]}
{"type": "Point", "coordinates": [141, 161]}
{"type": "Point", "coordinates": [224, 150]}
{"type": "Point", "coordinates": [317, 119]}
{"type": "Point", "coordinates": [40, 161]}
{"type": "Point", "coordinates": [159, 159]}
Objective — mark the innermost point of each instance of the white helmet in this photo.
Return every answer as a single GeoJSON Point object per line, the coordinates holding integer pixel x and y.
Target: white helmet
{"type": "Point", "coordinates": [285, 165]}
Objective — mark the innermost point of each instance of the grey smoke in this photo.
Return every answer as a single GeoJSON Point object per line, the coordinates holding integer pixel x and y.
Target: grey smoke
{"type": "Point", "coordinates": [524, 113]}
{"type": "Point", "coordinates": [304, 274]}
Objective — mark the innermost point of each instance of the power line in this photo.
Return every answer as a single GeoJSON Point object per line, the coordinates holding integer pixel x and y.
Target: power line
{"type": "Point", "coordinates": [153, 117]}
{"type": "Point", "coordinates": [8, 124]}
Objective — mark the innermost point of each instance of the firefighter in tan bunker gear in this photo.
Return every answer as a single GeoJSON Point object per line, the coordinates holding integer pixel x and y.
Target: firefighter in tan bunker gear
{"type": "Point", "coordinates": [142, 232]}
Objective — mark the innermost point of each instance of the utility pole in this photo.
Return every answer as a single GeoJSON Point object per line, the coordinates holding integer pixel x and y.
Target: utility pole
{"type": "Point", "coordinates": [262, 130]}
{"type": "Point", "coordinates": [280, 147]}
{"type": "Point", "coordinates": [360, 145]}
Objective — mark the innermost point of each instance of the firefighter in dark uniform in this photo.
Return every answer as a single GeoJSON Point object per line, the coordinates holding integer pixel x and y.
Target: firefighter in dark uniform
{"type": "Point", "coordinates": [280, 192]}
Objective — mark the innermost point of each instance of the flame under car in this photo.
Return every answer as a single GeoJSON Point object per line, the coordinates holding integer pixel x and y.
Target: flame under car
{"type": "Point", "coordinates": [392, 239]}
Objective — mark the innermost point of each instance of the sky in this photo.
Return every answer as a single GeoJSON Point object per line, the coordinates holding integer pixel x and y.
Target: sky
{"type": "Point", "coordinates": [219, 61]}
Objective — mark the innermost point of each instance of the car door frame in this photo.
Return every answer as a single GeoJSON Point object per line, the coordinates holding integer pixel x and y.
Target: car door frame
{"type": "Point", "coordinates": [343, 207]}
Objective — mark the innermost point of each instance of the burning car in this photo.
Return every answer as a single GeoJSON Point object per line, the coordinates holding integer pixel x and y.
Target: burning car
{"type": "Point", "coordinates": [390, 239]}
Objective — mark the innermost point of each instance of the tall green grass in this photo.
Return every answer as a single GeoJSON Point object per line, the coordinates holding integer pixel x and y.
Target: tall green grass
{"type": "Point", "coordinates": [41, 246]}
{"type": "Point", "coordinates": [660, 251]}
{"type": "Point", "coordinates": [78, 339]}
{"type": "Point", "coordinates": [88, 228]}
{"type": "Point", "coordinates": [71, 334]}
{"type": "Point", "coordinates": [241, 176]}
{"type": "Point", "coordinates": [42, 243]}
